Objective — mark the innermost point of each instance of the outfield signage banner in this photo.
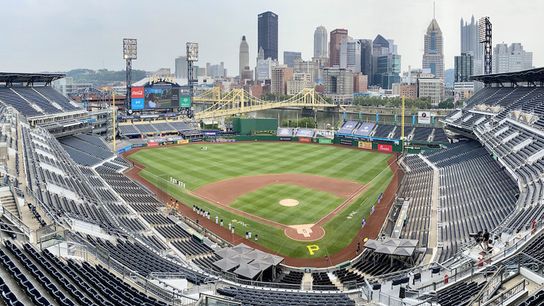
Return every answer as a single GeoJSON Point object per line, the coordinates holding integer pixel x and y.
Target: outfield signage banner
{"type": "Point", "coordinates": [324, 140]}
{"type": "Point", "coordinates": [423, 117]}
{"type": "Point", "coordinates": [285, 138]}
{"type": "Point", "coordinates": [367, 145]}
{"type": "Point", "coordinates": [124, 149]}
{"type": "Point", "coordinates": [183, 141]}
{"type": "Point", "coordinates": [345, 141]}
{"type": "Point", "coordinates": [152, 144]}
{"type": "Point", "coordinates": [304, 139]}
{"type": "Point", "coordinates": [385, 148]}
{"type": "Point", "coordinates": [185, 101]}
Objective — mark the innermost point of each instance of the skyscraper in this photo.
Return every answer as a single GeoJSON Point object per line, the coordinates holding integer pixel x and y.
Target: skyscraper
{"type": "Point", "coordinates": [366, 57]}
{"type": "Point", "coordinates": [268, 34]}
{"type": "Point", "coordinates": [320, 42]}
{"type": "Point", "coordinates": [464, 67]}
{"type": "Point", "coordinates": [280, 75]}
{"type": "Point", "coordinates": [289, 58]}
{"type": "Point", "coordinates": [433, 54]}
{"type": "Point", "coordinates": [385, 63]}
{"type": "Point", "coordinates": [243, 57]}
{"type": "Point", "coordinates": [511, 58]}
{"type": "Point", "coordinates": [337, 36]}
{"type": "Point", "coordinates": [350, 55]}
{"type": "Point", "coordinates": [181, 67]}
{"type": "Point", "coordinates": [470, 43]}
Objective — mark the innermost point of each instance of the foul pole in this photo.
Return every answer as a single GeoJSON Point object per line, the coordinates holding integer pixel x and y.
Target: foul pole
{"type": "Point", "coordinates": [402, 121]}
{"type": "Point", "coordinates": [114, 115]}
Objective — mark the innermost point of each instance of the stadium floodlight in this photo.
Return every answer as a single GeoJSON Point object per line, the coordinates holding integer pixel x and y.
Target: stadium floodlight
{"type": "Point", "coordinates": [130, 50]}
{"type": "Point", "coordinates": [192, 51]}
{"type": "Point", "coordinates": [481, 25]}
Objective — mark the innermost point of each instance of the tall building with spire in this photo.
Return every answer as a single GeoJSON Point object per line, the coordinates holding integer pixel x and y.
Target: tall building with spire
{"type": "Point", "coordinates": [243, 56]}
{"type": "Point", "coordinates": [320, 42]}
{"type": "Point", "coordinates": [433, 54]}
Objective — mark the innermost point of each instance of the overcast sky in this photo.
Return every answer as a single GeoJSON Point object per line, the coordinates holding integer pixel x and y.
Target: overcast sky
{"type": "Point", "coordinates": [59, 35]}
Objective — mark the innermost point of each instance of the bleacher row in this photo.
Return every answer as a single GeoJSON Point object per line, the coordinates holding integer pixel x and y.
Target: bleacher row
{"type": "Point", "coordinates": [164, 127]}
{"type": "Point", "coordinates": [415, 134]}
{"type": "Point", "coordinates": [529, 100]}
{"type": "Point", "coordinates": [521, 150]}
{"type": "Point", "coordinates": [86, 150]}
{"type": "Point", "coordinates": [417, 189]}
{"type": "Point", "coordinates": [48, 280]}
{"type": "Point", "coordinates": [36, 101]}
{"type": "Point", "coordinates": [148, 207]}
{"type": "Point", "coordinates": [303, 132]}
{"type": "Point", "coordinates": [58, 183]}
{"type": "Point", "coordinates": [475, 194]}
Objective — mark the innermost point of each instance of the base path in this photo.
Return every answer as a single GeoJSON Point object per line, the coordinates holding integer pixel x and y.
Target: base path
{"type": "Point", "coordinates": [225, 192]}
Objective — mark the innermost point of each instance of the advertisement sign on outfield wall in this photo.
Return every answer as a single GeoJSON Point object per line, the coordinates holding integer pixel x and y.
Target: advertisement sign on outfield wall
{"type": "Point", "coordinates": [367, 145]}
{"type": "Point", "coordinates": [324, 140]}
{"type": "Point", "coordinates": [285, 138]}
{"type": "Point", "coordinates": [305, 139]}
{"type": "Point", "coordinates": [385, 148]}
{"type": "Point", "coordinates": [183, 141]}
{"type": "Point", "coordinates": [347, 142]}
{"type": "Point", "coordinates": [152, 144]}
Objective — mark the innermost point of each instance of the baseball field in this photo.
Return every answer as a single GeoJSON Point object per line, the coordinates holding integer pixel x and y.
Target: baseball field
{"type": "Point", "coordinates": [301, 200]}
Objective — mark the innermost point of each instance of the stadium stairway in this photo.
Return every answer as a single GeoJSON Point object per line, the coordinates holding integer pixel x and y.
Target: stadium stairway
{"type": "Point", "coordinates": [335, 281]}
{"type": "Point", "coordinates": [307, 281]}
{"type": "Point", "coordinates": [7, 201]}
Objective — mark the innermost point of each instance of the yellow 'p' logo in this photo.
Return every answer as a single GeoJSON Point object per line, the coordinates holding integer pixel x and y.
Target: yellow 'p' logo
{"type": "Point", "coordinates": [312, 248]}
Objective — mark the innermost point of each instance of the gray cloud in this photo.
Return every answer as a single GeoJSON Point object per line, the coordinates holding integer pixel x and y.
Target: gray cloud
{"type": "Point", "coordinates": [55, 35]}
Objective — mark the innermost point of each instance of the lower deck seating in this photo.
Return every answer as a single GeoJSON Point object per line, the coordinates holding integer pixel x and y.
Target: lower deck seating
{"type": "Point", "coordinates": [458, 294]}
{"type": "Point", "coordinates": [534, 300]}
{"type": "Point", "coordinates": [272, 298]}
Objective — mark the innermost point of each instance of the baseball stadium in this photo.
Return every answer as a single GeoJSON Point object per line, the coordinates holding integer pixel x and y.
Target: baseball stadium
{"type": "Point", "coordinates": [167, 212]}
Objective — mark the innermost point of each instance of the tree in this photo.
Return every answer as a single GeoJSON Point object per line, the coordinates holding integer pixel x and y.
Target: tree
{"type": "Point", "coordinates": [300, 123]}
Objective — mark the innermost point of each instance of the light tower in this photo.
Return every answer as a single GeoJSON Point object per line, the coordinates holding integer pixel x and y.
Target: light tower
{"type": "Point", "coordinates": [485, 38]}
{"type": "Point", "coordinates": [192, 56]}
{"type": "Point", "coordinates": [130, 52]}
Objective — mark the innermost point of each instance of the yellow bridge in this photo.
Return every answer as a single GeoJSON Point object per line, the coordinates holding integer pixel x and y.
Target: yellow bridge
{"type": "Point", "coordinates": [239, 101]}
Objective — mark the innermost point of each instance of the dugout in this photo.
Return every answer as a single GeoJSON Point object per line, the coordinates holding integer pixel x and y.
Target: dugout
{"type": "Point", "coordinates": [252, 126]}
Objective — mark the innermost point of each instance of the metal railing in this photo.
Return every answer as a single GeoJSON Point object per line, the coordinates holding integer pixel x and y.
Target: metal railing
{"type": "Point", "coordinates": [504, 298]}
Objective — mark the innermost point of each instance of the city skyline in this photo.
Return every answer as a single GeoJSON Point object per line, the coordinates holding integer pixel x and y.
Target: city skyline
{"type": "Point", "coordinates": [73, 38]}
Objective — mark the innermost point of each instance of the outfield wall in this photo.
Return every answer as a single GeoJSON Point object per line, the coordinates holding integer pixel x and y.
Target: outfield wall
{"type": "Point", "coordinates": [372, 145]}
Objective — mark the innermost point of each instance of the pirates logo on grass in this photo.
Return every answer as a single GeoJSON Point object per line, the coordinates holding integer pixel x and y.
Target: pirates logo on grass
{"type": "Point", "coordinates": [312, 248]}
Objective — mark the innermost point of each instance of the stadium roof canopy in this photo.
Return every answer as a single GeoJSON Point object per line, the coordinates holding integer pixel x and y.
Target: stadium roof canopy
{"type": "Point", "coordinates": [393, 246]}
{"type": "Point", "coordinates": [16, 77]}
{"type": "Point", "coordinates": [249, 261]}
{"type": "Point", "coordinates": [532, 75]}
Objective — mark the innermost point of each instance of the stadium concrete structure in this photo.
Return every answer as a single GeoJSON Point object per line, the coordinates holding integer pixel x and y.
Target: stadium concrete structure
{"type": "Point", "coordinates": [81, 225]}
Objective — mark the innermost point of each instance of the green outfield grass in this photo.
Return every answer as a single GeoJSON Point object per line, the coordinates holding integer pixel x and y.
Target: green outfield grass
{"type": "Point", "coordinates": [196, 168]}
{"type": "Point", "coordinates": [313, 204]}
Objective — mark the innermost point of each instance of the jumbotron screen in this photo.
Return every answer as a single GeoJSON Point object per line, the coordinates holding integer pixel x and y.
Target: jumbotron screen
{"type": "Point", "coordinates": [154, 97]}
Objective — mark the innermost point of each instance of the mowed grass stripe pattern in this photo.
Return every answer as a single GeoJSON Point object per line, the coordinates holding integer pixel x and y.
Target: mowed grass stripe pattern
{"type": "Point", "coordinates": [222, 161]}
{"type": "Point", "coordinates": [264, 202]}
{"type": "Point", "coordinates": [196, 167]}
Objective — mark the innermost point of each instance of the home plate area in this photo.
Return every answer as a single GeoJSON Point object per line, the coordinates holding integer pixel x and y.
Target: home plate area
{"type": "Point", "coordinates": [305, 232]}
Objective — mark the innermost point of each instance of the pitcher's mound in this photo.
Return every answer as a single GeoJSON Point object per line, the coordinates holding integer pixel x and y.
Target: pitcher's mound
{"type": "Point", "coordinates": [289, 202]}
{"type": "Point", "coordinates": [305, 232]}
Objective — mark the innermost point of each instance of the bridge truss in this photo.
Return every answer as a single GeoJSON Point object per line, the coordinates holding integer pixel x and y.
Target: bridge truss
{"type": "Point", "coordinates": [239, 101]}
